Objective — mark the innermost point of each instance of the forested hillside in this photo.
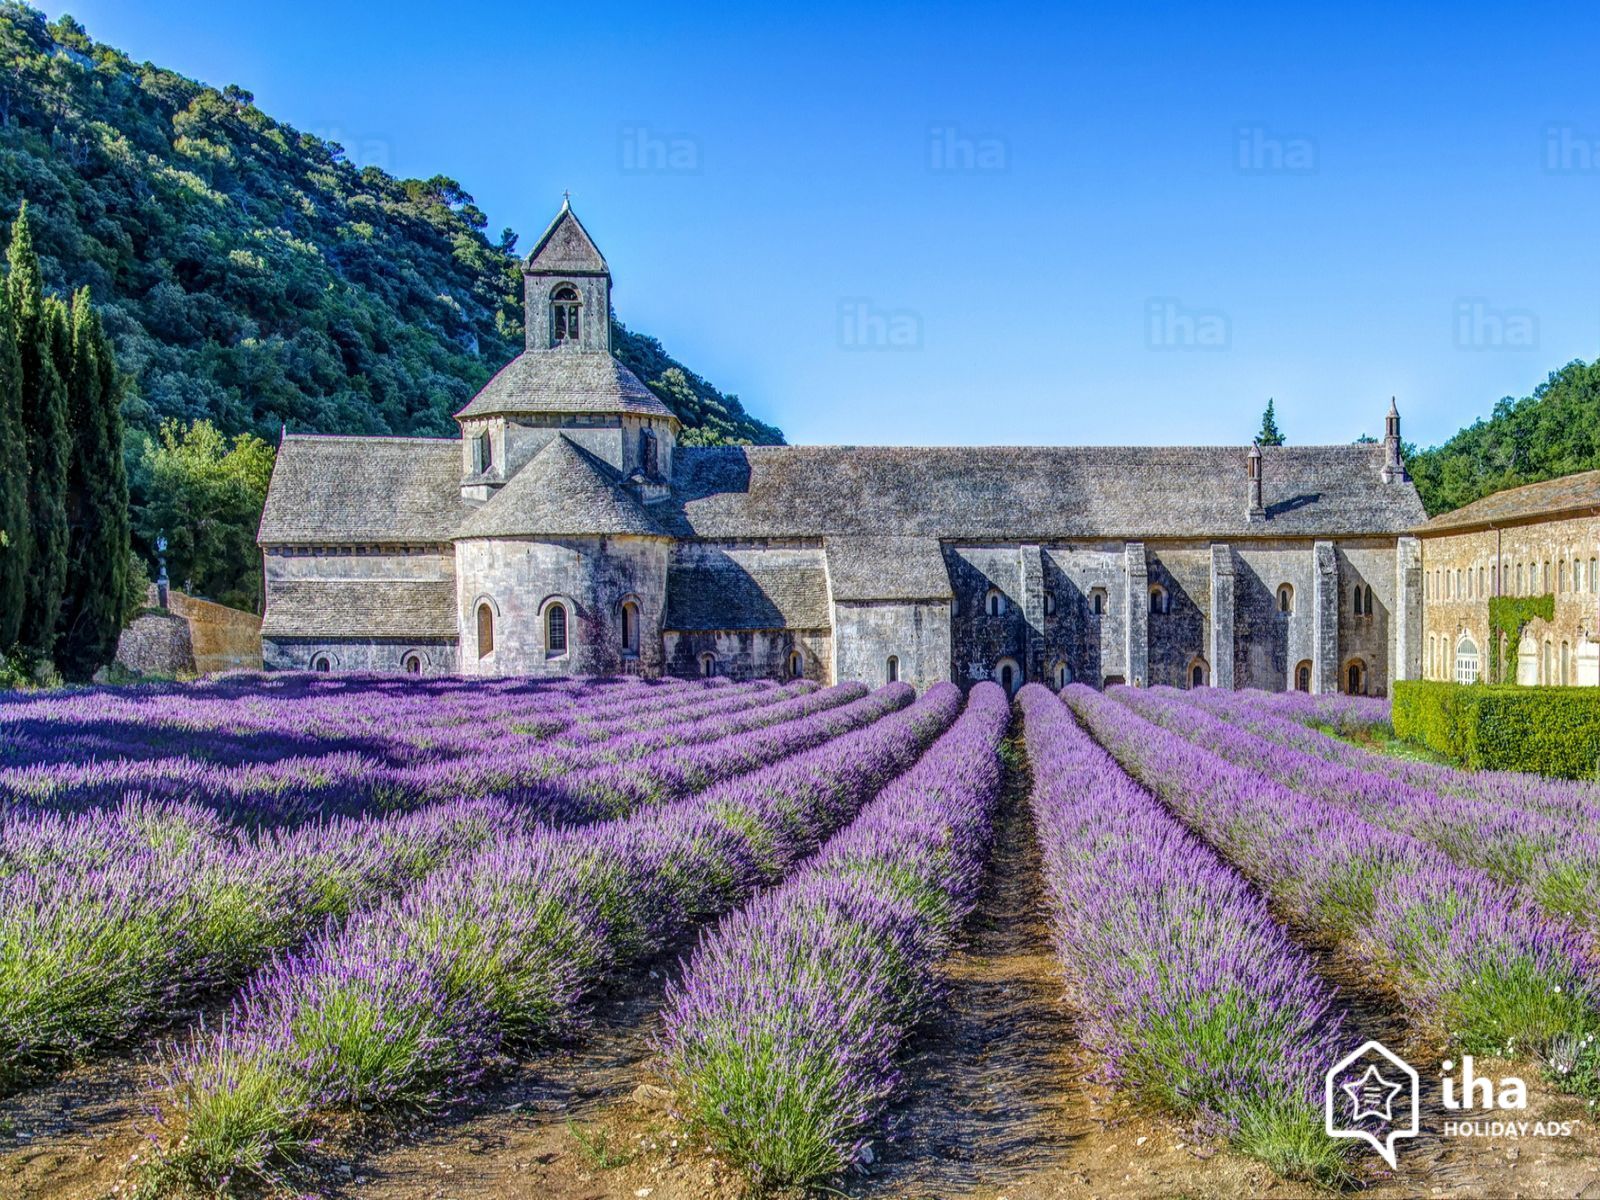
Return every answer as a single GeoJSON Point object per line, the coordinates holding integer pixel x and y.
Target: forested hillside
{"type": "Point", "coordinates": [1555, 431]}
{"type": "Point", "coordinates": [250, 278]}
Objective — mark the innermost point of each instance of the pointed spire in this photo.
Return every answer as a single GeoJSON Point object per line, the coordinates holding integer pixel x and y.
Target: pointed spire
{"type": "Point", "coordinates": [1394, 468]}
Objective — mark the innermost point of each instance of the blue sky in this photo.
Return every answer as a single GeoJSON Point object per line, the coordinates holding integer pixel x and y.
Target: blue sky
{"type": "Point", "coordinates": [932, 223]}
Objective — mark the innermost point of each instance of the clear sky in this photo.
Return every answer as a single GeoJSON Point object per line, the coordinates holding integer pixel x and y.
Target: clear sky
{"type": "Point", "coordinates": [974, 223]}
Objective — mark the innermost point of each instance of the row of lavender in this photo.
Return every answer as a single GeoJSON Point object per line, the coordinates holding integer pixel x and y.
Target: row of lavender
{"type": "Point", "coordinates": [1190, 991]}
{"type": "Point", "coordinates": [1531, 843]}
{"type": "Point", "coordinates": [1467, 956]}
{"type": "Point", "coordinates": [598, 738]}
{"type": "Point", "coordinates": [257, 718]}
{"type": "Point", "coordinates": [409, 1002]}
{"type": "Point", "coordinates": [783, 1035]}
{"type": "Point", "coordinates": [113, 920]}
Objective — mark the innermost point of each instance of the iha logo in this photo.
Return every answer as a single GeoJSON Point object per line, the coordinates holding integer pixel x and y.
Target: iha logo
{"type": "Point", "coordinates": [1373, 1094]}
{"type": "Point", "coordinates": [1480, 1091]}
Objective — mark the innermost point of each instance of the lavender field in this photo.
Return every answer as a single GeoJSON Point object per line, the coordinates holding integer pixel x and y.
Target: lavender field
{"type": "Point", "coordinates": [334, 935]}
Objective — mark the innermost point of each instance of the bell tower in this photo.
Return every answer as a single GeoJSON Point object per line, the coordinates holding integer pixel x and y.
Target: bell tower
{"type": "Point", "coordinates": [567, 290]}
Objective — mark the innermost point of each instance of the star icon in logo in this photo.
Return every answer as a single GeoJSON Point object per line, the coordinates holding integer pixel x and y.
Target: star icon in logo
{"type": "Point", "coordinates": [1372, 1096]}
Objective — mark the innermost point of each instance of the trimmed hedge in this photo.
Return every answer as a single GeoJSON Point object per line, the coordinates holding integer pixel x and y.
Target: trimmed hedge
{"type": "Point", "coordinates": [1549, 730]}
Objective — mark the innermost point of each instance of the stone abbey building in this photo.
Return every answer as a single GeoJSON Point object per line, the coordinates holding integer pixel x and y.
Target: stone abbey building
{"type": "Point", "coordinates": [567, 532]}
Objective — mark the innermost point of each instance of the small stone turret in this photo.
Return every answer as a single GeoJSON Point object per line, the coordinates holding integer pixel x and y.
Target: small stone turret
{"type": "Point", "coordinates": [1257, 510]}
{"type": "Point", "coordinates": [1394, 467]}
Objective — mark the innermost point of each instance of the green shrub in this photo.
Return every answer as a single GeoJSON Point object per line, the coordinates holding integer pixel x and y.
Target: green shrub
{"type": "Point", "coordinates": [1548, 730]}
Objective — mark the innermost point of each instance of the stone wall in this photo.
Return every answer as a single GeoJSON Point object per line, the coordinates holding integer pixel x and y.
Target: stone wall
{"type": "Point", "coordinates": [192, 637]}
{"type": "Point", "coordinates": [519, 579]}
{"type": "Point", "coordinates": [1462, 571]}
{"type": "Point", "coordinates": [361, 654]}
{"type": "Point", "coordinates": [751, 654]}
{"type": "Point", "coordinates": [916, 633]}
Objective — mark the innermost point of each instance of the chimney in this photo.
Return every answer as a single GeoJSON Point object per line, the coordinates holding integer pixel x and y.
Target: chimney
{"type": "Point", "coordinates": [1258, 511]}
{"type": "Point", "coordinates": [1394, 468]}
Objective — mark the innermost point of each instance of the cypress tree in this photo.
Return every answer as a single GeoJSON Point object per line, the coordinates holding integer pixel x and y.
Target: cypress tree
{"type": "Point", "coordinates": [97, 501]}
{"type": "Point", "coordinates": [16, 536]}
{"type": "Point", "coordinates": [43, 341]}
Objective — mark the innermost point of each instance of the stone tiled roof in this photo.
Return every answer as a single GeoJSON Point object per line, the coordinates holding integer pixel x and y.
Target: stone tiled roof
{"type": "Point", "coordinates": [1569, 494]}
{"type": "Point", "coordinates": [733, 591]}
{"type": "Point", "coordinates": [567, 246]}
{"type": "Point", "coordinates": [352, 490]}
{"type": "Point", "coordinates": [563, 491]}
{"type": "Point", "coordinates": [564, 380]}
{"type": "Point", "coordinates": [887, 568]}
{"type": "Point", "coordinates": [1034, 492]}
{"type": "Point", "coordinates": [364, 608]}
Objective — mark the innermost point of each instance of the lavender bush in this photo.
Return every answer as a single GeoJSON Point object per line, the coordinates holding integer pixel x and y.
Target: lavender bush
{"type": "Point", "coordinates": [782, 1035]}
{"type": "Point", "coordinates": [506, 949]}
{"type": "Point", "coordinates": [1552, 859]}
{"type": "Point", "coordinates": [1467, 955]}
{"type": "Point", "coordinates": [1189, 989]}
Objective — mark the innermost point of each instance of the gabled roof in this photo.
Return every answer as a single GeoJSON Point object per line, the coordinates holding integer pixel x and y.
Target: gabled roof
{"type": "Point", "coordinates": [353, 490]}
{"type": "Point", "coordinates": [1570, 494]}
{"type": "Point", "coordinates": [747, 589]}
{"type": "Point", "coordinates": [566, 247]}
{"type": "Point", "coordinates": [887, 568]}
{"type": "Point", "coordinates": [563, 491]}
{"type": "Point", "coordinates": [565, 380]}
{"type": "Point", "coordinates": [361, 608]}
{"type": "Point", "coordinates": [1014, 493]}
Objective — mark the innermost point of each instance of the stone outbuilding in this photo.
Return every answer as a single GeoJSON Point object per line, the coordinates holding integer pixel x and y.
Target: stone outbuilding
{"type": "Point", "coordinates": [566, 531]}
{"type": "Point", "coordinates": [1537, 541]}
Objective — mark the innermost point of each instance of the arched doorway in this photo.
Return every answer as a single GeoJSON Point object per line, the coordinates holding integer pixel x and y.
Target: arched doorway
{"type": "Point", "coordinates": [1199, 673]}
{"type": "Point", "coordinates": [1302, 676]}
{"type": "Point", "coordinates": [1355, 677]}
{"type": "Point", "coordinates": [1008, 675]}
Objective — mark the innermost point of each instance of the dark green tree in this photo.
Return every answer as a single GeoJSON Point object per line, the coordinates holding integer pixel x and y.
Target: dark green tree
{"type": "Point", "coordinates": [1270, 434]}
{"type": "Point", "coordinates": [43, 341]}
{"type": "Point", "coordinates": [97, 502]}
{"type": "Point", "coordinates": [16, 537]}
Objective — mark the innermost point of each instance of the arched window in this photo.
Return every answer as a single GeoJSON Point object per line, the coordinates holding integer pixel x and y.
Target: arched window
{"type": "Point", "coordinates": [647, 454]}
{"type": "Point", "coordinates": [1158, 599]}
{"type": "Point", "coordinates": [1063, 675]}
{"type": "Point", "coordinates": [891, 669]}
{"type": "Point", "coordinates": [485, 451]}
{"type": "Point", "coordinates": [708, 665]}
{"type": "Point", "coordinates": [1519, 579]}
{"type": "Point", "coordinates": [564, 306]}
{"type": "Point", "coordinates": [1549, 663]}
{"type": "Point", "coordinates": [1594, 574]}
{"type": "Point", "coordinates": [994, 602]}
{"type": "Point", "coordinates": [796, 665]}
{"type": "Point", "coordinates": [1302, 677]}
{"type": "Point", "coordinates": [630, 627]}
{"type": "Point", "coordinates": [322, 663]}
{"type": "Point", "coordinates": [1097, 602]}
{"type": "Point", "coordinates": [485, 630]}
{"type": "Point", "coordinates": [1197, 673]}
{"type": "Point", "coordinates": [1467, 660]}
{"type": "Point", "coordinates": [1367, 602]}
{"type": "Point", "coordinates": [555, 630]}
{"type": "Point", "coordinates": [1285, 598]}
{"type": "Point", "coordinates": [412, 663]}
{"type": "Point", "coordinates": [1566, 664]}
{"type": "Point", "coordinates": [1561, 575]}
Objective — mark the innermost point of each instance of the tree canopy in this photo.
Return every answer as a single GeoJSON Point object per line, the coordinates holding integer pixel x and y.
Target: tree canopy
{"type": "Point", "coordinates": [1553, 431]}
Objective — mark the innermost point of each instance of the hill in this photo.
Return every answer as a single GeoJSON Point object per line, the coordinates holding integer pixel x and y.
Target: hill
{"type": "Point", "coordinates": [252, 277]}
{"type": "Point", "coordinates": [1554, 431]}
